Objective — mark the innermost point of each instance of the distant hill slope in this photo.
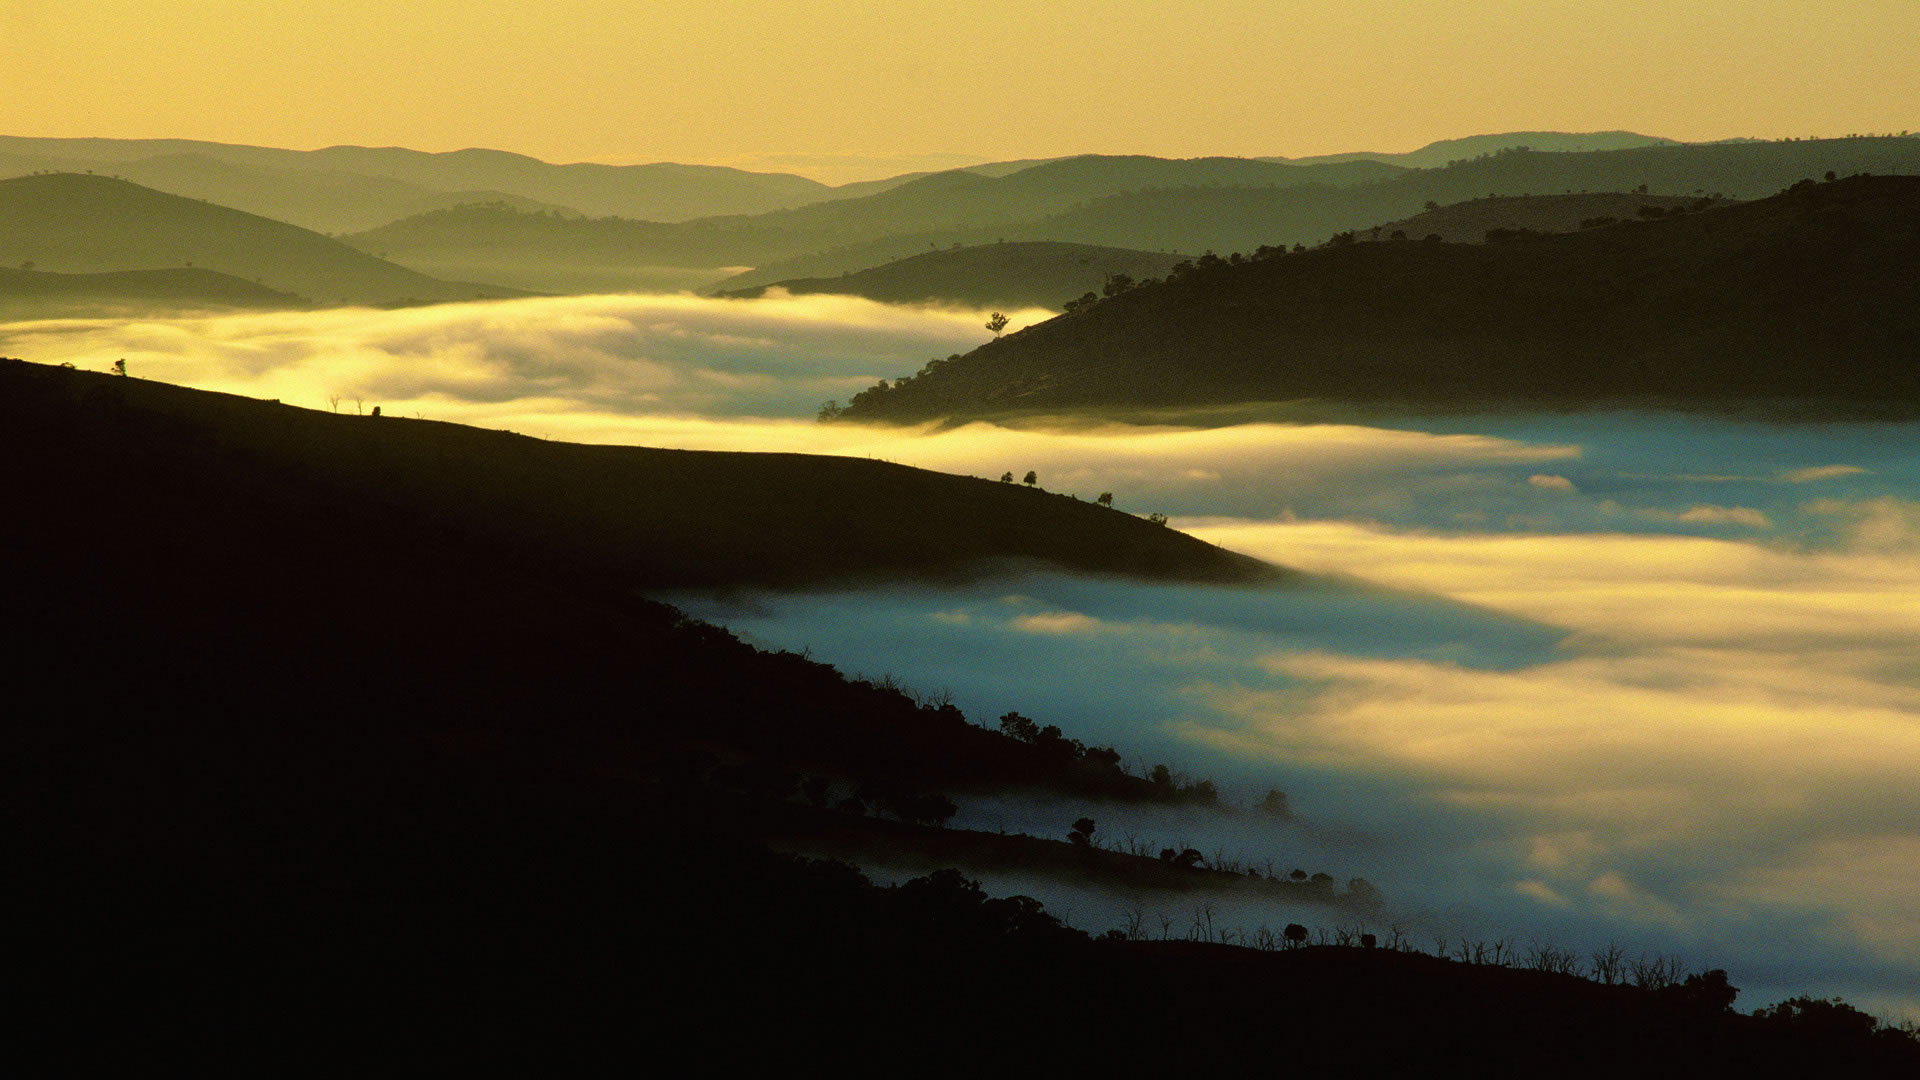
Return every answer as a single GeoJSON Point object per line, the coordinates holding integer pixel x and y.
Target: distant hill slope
{"type": "Point", "coordinates": [1024, 274]}
{"type": "Point", "coordinates": [319, 200]}
{"type": "Point", "coordinates": [1813, 294]}
{"type": "Point", "coordinates": [1469, 222]}
{"type": "Point", "coordinates": [666, 518]}
{"type": "Point", "coordinates": [1242, 219]}
{"type": "Point", "coordinates": [38, 294]}
{"type": "Point", "coordinates": [1144, 204]}
{"type": "Point", "coordinates": [1437, 154]}
{"type": "Point", "coordinates": [88, 224]}
{"type": "Point", "coordinates": [349, 188]}
{"type": "Point", "coordinates": [824, 238]}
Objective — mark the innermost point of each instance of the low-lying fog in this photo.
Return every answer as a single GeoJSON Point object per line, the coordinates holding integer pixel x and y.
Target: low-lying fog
{"type": "Point", "coordinates": [1640, 678]}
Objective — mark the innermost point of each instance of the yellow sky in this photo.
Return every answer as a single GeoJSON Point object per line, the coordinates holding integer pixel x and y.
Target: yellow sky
{"type": "Point", "coordinates": [742, 81]}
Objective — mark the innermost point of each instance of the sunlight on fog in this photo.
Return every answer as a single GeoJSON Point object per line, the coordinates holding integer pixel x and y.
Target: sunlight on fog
{"type": "Point", "coordinates": [1625, 676]}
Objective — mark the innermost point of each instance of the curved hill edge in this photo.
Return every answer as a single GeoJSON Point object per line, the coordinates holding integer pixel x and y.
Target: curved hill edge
{"type": "Point", "coordinates": [646, 517]}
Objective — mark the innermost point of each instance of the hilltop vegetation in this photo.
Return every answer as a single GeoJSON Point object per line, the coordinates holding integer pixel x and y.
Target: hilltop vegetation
{"type": "Point", "coordinates": [70, 223]}
{"type": "Point", "coordinates": [1808, 296]}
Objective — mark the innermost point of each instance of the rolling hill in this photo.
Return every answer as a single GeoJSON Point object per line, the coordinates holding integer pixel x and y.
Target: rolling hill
{"type": "Point", "coordinates": [1023, 274]}
{"type": "Point", "coordinates": [1144, 204]}
{"type": "Point", "coordinates": [1445, 151]}
{"type": "Point", "coordinates": [71, 223]}
{"type": "Point", "coordinates": [1812, 295]}
{"type": "Point", "coordinates": [352, 188]}
{"type": "Point", "coordinates": [39, 294]}
{"type": "Point", "coordinates": [824, 238]}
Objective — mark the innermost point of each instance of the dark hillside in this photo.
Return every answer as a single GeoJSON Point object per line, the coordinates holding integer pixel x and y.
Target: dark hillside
{"type": "Point", "coordinates": [305, 775]}
{"type": "Point", "coordinates": [72, 223]}
{"type": "Point", "coordinates": [1813, 295]}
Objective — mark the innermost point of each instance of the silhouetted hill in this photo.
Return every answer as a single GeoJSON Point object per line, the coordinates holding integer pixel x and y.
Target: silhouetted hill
{"type": "Point", "coordinates": [302, 768]}
{"type": "Point", "coordinates": [1444, 151]}
{"type": "Point", "coordinates": [72, 223]}
{"type": "Point", "coordinates": [40, 294]}
{"type": "Point", "coordinates": [1810, 295]}
{"type": "Point", "coordinates": [650, 517]}
{"type": "Point", "coordinates": [1029, 274]}
{"type": "Point", "coordinates": [347, 188]}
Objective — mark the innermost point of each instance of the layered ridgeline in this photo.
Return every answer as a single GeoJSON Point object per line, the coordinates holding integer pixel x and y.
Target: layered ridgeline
{"type": "Point", "coordinates": [76, 224]}
{"type": "Point", "coordinates": [349, 188]}
{"type": "Point", "coordinates": [1809, 296]}
{"type": "Point", "coordinates": [828, 238]}
{"type": "Point", "coordinates": [1015, 274]}
{"type": "Point", "coordinates": [1142, 204]}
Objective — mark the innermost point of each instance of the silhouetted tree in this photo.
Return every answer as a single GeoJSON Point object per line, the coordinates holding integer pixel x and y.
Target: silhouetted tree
{"type": "Point", "coordinates": [1276, 804]}
{"type": "Point", "coordinates": [830, 410]}
{"type": "Point", "coordinates": [1006, 477]}
{"type": "Point", "coordinates": [1082, 834]}
{"type": "Point", "coordinates": [1295, 935]}
{"type": "Point", "coordinates": [120, 367]}
{"type": "Point", "coordinates": [1019, 727]}
{"type": "Point", "coordinates": [1105, 499]}
{"type": "Point", "coordinates": [997, 323]}
{"type": "Point", "coordinates": [1031, 478]}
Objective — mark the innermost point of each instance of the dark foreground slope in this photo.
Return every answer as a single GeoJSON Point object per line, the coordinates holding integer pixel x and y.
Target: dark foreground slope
{"type": "Point", "coordinates": [639, 517]}
{"type": "Point", "coordinates": [71, 223]}
{"type": "Point", "coordinates": [301, 778]}
{"type": "Point", "coordinates": [1812, 295]}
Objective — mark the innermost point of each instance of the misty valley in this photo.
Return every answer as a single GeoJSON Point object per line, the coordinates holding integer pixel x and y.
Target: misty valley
{"type": "Point", "coordinates": [505, 608]}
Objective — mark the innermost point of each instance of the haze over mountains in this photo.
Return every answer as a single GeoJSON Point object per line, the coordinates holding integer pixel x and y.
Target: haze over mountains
{"type": "Point", "coordinates": [511, 221]}
{"type": "Point", "coordinates": [70, 223]}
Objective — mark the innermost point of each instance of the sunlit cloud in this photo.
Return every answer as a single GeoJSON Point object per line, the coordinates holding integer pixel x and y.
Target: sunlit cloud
{"type": "Point", "coordinates": [1630, 676]}
{"type": "Point", "coordinates": [1820, 472]}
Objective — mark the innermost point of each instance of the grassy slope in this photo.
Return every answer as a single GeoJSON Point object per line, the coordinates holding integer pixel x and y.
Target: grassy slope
{"type": "Point", "coordinates": [1030, 274]}
{"type": "Point", "coordinates": [76, 223]}
{"type": "Point", "coordinates": [1807, 295]}
{"type": "Point", "coordinates": [39, 294]}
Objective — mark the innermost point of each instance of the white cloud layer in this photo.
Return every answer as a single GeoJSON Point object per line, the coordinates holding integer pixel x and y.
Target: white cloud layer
{"type": "Point", "coordinates": [1576, 676]}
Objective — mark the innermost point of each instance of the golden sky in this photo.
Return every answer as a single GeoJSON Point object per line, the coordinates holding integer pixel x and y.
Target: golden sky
{"type": "Point", "coordinates": [796, 85]}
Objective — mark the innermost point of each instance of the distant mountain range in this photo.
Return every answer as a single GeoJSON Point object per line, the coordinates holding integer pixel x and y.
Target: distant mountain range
{"type": "Point", "coordinates": [1811, 296]}
{"type": "Point", "coordinates": [352, 188]}
{"type": "Point", "coordinates": [521, 224]}
{"type": "Point", "coordinates": [1176, 207]}
{"type": "Point", "coordinates": [1446, 151]}
{"type": "Point", "coordinates": [78, 224]}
